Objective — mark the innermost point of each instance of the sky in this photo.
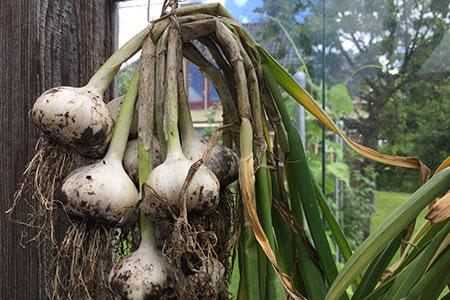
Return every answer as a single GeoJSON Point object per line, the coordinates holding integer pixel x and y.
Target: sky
{"type": "Point", "coordinates": [133, 14]}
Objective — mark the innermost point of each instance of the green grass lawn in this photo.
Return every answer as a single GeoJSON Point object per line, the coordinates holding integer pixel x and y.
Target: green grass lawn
{"type": "Point", "coordinates": [386, 203]}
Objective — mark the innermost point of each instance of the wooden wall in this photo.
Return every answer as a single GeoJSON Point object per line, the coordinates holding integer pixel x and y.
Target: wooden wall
{"type": "Point", "coordinates": [43, 43]}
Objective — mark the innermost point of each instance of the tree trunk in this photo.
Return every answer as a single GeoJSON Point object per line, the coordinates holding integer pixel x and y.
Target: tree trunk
{"type": "Point", "coordinates": [43, 44]}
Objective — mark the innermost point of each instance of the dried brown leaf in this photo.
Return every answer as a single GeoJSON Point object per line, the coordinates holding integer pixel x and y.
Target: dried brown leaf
{"type": "Point", "coordinates": [440, 210]}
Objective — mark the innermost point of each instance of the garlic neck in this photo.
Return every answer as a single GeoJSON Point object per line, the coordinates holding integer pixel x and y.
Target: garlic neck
{"type": "Point", "coordinates": [173, 141]}
{"type": "Point", "coordinates": [171, 96]}
{"type": "Point", "coordinates": [187, 129]}
{"type": "Point", "coordinates": [147, 233]}
{"type": "Point", "coordinates": [103, 77]}
{"type": "Point", "coordinates": [176, 153]}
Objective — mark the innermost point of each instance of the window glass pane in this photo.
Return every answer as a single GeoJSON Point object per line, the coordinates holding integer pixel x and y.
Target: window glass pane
{"type": "Point", "coordinates": [195, 84]}
{"type": "Point", "coordinates": [213, 96]}
{"type": "Point", "coordinates": [380, 68]}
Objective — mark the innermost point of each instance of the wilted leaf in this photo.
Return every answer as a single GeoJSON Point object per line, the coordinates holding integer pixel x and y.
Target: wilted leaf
{"type": "Point", "coordinates": [440, 211]}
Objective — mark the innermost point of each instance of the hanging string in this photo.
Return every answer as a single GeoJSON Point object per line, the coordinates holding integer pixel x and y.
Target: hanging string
{"type": "Point", "coordinates": [168, 10]}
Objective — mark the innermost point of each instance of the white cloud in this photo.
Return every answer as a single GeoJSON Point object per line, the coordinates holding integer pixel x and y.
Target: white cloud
{"type": "Point", "coordinates": [244, 19]}
{"type": "Point", "coordinates": [240, 2]}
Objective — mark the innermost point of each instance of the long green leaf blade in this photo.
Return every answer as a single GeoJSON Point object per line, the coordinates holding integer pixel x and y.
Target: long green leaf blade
{"type": "Point", "coordinates": [396, 222]}
{"type": "Point", "coordinates": [434, 281]}
{"type": "Point", "coordinates": [301, 96]}
{"type": "Point", "coordinates": [286, 240]}
{"type": "Point", "coordinates": [269, 284]}
{"type": "Point", "coordinates": [377, 267]}
{"type": "Point", "coordinates": [413, 272]}
{"type": "Point", "coordinates": [378, 293]}
{"type": "Point", "coordinates": [249, 263]}
{"type": "Point", "coordinates": [282, 231]}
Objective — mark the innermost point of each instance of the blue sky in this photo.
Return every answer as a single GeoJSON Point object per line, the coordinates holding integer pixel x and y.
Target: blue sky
{"type": "Point", "coordinates": [243, 9]}
{"type": "Point", "coordinates": [133, 13]}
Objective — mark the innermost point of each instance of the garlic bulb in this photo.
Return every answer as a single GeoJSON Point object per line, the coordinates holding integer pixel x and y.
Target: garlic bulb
{"type": "Point", "coordinates": [213, 271]}
{"type": "Point", "coordinates": [78, 117]}
{"type": "Point", "coordinates": [142, 274]}
{"type": "Point", "coordinates": [103, 191]}
{"type": "Point", "coordinates": [113, 107]}
{"type": "Point", "coordinates": [163, 187]}
{"type": "Point", "coordinates": [221, 160]}
{"type": "Point", "coordinates": [211, 276]}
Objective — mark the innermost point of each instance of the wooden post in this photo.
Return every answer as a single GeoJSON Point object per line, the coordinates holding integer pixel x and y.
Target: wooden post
{"type": "Point", "coordinates": [43, 44]}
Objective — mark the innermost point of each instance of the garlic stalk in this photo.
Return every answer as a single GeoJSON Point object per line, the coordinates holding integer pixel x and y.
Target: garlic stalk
{"type": "Point", "coordinates": [77, 116]}
{"type": "Point", "coordinates": [144, 273]}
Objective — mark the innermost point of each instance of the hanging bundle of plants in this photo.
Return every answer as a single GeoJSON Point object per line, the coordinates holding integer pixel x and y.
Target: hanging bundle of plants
{"type": "Point", "coordinates": [237, 215]}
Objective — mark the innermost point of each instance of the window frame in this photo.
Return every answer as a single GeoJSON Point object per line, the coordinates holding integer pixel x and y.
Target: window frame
{"type": "Point", "coordinates": [207, 101]}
